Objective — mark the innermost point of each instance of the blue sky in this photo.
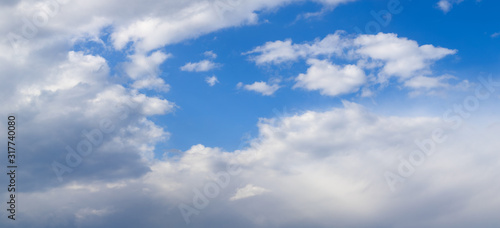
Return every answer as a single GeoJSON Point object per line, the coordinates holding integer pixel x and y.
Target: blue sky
{"type": "Point", "coordinates": [262, 113]}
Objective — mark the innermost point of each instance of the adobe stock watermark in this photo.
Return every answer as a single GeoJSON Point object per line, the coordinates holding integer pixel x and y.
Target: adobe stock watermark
{"type": "Point", "coordinates": [92, 139]}
{"type": "Point", "coordinates": [381, 18]}
{"type": "Point", "coordinates": [211, 189]}
{"type": "Point", "coordinates": [39, 19]}
{"type": "Point", "coordinates": [427, 147]}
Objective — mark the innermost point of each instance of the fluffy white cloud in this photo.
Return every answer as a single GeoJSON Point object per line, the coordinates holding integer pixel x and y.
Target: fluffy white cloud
{"type": "Point", "coordinates": [330, 79]}
{"type": "Point", "coordinates": [398, 56]}
{"type": "Point", "coordinates": [151, 83]}
{"type": "Point", "coordinates": [211, 81]}
{"type": "Point", "coordinates": [276, 52]}
{"type": "Point", "coordinates": [383, 55]}
{"type": "Point", "coordinates": [141, 65]}
{"type": "Point", "coordinates": [260, 87]}
{"type": "Point", "coordinates": [192, 19]}
{"type": "Point", "coordinates": [151, 25]}
{"type": "Point", "coordinates": [401, 57]}
{"type": "Point", "coordinates": [202, 66]}
{"type": "Point", "coordinates": [144, 70]}
{"type": "Point", "coordinates": [63, 100]}
{"type": "Point", "coordinates": [283, 51]}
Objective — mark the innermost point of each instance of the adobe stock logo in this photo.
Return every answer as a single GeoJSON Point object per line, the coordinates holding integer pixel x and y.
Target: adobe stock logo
{"type": "Point", "coordinates": [211, 190]}
{"type": "Point", "coordinates": [382, 18]}
{"type": "Point", "coordinates": [429, 146]}
{"type": "Point", "coordinates": [39, 19]}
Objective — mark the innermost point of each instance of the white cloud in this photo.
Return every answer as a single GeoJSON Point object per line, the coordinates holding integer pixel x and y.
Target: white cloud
{"type": "Point", "coordinates": [446, 5]}
{"type": "Point", "coordinates": [144, 66]}
{"type": "Point", "coordinates": [428, 82]}
{"type": "Point", "coordinates": [398, 56]}
{"type": "Point", "coordinates": [144, 70]}
{"type": "Point", "coordinates": [401, 57]}
{"type": "Point", "coordinates": [284, 51]}
{"type": "Point", "coordinates": [151, 83]}
{"type": "Point", "coordinates": [210, 54]}
{"type": "Point", "coordinates": [260, 87]}
{"type": "Point", "coordinates": [495, 35]}
{"type": "Point", "coordinates": [247, 192]}
{"type": "Point", "coordinates": [202, 66]}
{"type": "Point", "coordinates": [195, 19]}
{"type": "Point", "coordinates": [276, 52]}
{"type": "Point", "coordinates": [316, 168]}
{"type": "Point", "coordinates": [189, 20]}
{"type": "Point", "coordinates": [70, 94]}
{"type": "Point", "coordinates": [330, 79]}
{"type": "Point", "coordinates": [148, 27]}
{"type": "Point", "coordinates": [211, 81]}
{"type": "Point", "coordinates": [423, 85]}
{"type": "Point", "coordinates": [383, 55]}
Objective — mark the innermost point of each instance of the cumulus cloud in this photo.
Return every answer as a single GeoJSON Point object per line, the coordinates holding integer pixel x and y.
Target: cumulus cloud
{"type": "Point", "coordinates": [330, 79]}
{"type": "Point", "coordinates": [190, 20]}
{"type": "Point", "coordinates": [141, 65]}
{"type": "Point", "coordinates": [149, 27]}
{"type": "Point", "coordinates": [144, 70]}
{"type": "Point", "coordinates": [260, 87]}
{"type": "Point", "coordinates": [277, 52]}
{"type": "Point", "coordinates": [72, 97]}
{"type": "Point", "coordinates": [400, 56]}
{"type": "Point", "coordinates": [385, 55]}
{"type": "Point", "coordinates": [202, 66]}
{"type": "Point", "coordinates": [211, 81]}
{"type": "Point", "coordinates": [315, 168]}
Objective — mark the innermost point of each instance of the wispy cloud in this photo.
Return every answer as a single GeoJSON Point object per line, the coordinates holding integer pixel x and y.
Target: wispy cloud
{"type": "Point", "coordinates": [260, 87]}
{"type": "Point", "coordinates": [202, 66]}
{"type": "Point", "coordinates": [446, 5]}
{"type": "Point", "coordinates": [211, 81]}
